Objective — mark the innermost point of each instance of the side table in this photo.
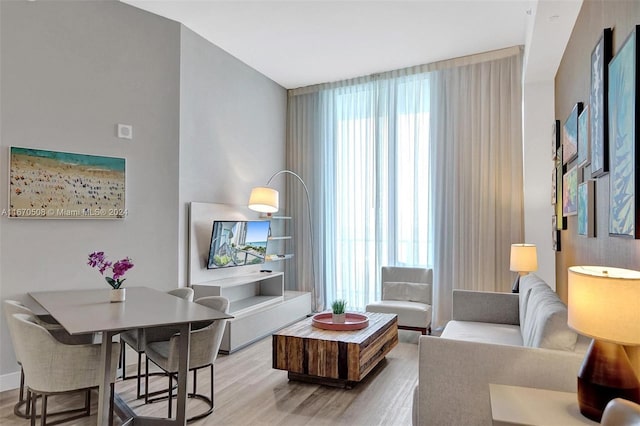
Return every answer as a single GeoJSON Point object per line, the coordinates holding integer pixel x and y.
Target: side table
{"type": "Point", "coordinates": [516, 405]}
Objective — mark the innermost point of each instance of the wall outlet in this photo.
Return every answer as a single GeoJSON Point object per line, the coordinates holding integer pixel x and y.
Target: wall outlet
{"type": "Point", "coordinates": [125, 131]}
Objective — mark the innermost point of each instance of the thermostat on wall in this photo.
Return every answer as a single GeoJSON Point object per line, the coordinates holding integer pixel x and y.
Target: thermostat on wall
{"type": "Point", "coordinates": [125, 131]}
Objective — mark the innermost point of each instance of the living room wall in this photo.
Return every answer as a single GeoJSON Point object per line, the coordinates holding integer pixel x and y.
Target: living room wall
{"type": "Point", "coordinates": [572, 84]}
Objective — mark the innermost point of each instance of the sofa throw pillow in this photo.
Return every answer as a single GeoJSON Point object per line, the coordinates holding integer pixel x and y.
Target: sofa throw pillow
{"type": "Point", "coordinates": [411, 292]}
{"type": "Point", "coordinates": [546, 322]}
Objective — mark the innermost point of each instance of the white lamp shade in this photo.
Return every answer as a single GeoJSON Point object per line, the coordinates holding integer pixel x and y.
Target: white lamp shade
{"type": "Point", "coordinates": [264, 199]}
{"type": "Point", "coordinates": [524, 258]}
{"type": "Point", "coordinates": [604, 303]}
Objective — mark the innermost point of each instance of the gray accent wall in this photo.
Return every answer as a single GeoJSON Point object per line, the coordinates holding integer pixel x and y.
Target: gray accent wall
{"type": "Point", "coordinates": [232, 132]}
{"type": "Point", "coordinates": [69, 72]}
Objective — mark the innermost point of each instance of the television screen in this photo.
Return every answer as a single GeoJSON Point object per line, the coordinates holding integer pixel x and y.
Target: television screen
{"type": "Point", "coordinates": [238, 243]}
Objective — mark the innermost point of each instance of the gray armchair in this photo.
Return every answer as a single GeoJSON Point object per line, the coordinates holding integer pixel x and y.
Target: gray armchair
{"type": "Point", "coordinates": [136, 338]}
{"type": "Point", "coordinates": [12, 307]}
{"type": "Point", "coordinates": [203, 351]}
{"type": "Point", "coordinates": [406, 292]}
{"type": "Point", "coordinates": [52, 367]}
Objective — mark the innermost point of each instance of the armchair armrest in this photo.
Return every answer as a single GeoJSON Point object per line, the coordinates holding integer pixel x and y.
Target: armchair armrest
{"type": "Point", "coordinates": [484, 306]}
{"type": "Point", "coordinates": [454, 377]}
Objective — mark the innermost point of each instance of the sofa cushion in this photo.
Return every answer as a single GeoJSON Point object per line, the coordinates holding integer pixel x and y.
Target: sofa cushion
{"type": "Point", "coordinates": [545, 324]}
{"type": "Point", "coordinates": [527, 283]}
{"type": "Point", "coordinates": [412, 292]}
{"type": "Point", "coordinates": [484, 332]}
{"type": "Point", "coordinates": [410, 314]}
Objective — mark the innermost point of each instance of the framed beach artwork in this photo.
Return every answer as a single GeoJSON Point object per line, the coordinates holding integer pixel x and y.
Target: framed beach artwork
{"type": "Point", "coordinates": [584, 150]}
{"type": "Point", "coordinates": [554, 189]}
{"type": "Point", "coordinates": [598, 110]}
{"type": "Point", "coordinates": [570, 135]}
{"type": "Point", "coordinates": [623, 111]}
{"type": "Point", "coordinates": [570, 192]}
{"type": "Point", "coordinates": [63, 185]}
{"type": "Point", "coordinates": [586, 209]}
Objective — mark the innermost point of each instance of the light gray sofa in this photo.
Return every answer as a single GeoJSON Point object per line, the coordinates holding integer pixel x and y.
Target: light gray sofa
{"type": "Point", "coordinates": [504, 338]}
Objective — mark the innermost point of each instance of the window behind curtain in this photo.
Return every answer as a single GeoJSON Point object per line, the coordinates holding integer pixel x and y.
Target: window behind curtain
{"type": "Point", "coordinates": [380, 170]}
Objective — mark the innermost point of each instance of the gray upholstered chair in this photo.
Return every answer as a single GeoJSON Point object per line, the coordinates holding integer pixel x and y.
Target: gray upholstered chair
{"type": "Point", "coordinates": [51, 367]}
{"type": "Point", "coordinates": [203, 351]}
{"type": "Point", "coordinates": [136, 338]}
{"type": "Point", "coordinates": [406, 292]}
{"type": "Point", "coordinates": [12, 307]}
{"type": "Point", "coordinates": [620, 412]}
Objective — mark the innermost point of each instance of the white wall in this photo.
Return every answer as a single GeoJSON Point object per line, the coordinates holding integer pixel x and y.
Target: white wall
{"type": "Point", "coordinates": [538, 100]}
{"type": "Point", "coordinates": [232, 131]}
{"type": "Point", "coordinates": [70, 71]}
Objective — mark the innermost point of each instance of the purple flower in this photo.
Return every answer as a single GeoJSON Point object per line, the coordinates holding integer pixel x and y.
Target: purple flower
{"type": "Point", "coordinates": [99, 260]}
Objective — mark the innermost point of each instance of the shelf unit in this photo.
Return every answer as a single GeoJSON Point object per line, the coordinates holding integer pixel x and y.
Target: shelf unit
{"type": "Point", "coordinates": [281, 245]}
{"type": "Point", "coordinates": [259, 305]}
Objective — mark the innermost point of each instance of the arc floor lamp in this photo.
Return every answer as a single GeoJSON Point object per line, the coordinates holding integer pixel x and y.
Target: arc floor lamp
{"type": "Point", "coordinates": [265, 199]}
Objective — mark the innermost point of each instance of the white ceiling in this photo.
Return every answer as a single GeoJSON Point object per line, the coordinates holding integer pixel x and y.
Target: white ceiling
{"type": "Point", "coordinates": [302, 42]}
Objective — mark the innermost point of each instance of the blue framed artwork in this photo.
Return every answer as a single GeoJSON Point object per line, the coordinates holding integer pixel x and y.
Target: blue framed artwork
{"type": "Point", "coordinates": [62, 185]}
{"type": "Point", "coordinates": [599, 118]}
{"type": "Point", "coordinates": [586, 209]}
{"type": "Point", "coordinates": [570, 135]}
{"type": "Point", "coordinates": [584, 150]}
{"type": "Point", "coordinates": [570, 192]}
{"type": "Point", "coordinates": [623, 110]}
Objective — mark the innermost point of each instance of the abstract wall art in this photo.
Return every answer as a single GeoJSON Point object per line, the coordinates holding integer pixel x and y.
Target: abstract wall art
{"type": "Point", "coordinates": [586, 209]}
{"type": "Point", "coordinates": [599, 119]}
{"type": "Point", "coordinates": [623, 98]}
{"type": "Point", "coordinates": [570, 134]}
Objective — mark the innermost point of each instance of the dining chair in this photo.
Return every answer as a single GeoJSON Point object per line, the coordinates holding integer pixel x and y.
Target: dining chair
{"type": "Point", "coordinates": [52, 367]}
{"type": "Point", "coordinates": [203, 351]}
{"type": "Point", "coordinates": [11, 307]}
{"type": "Point", "coordinates": [135, 339]}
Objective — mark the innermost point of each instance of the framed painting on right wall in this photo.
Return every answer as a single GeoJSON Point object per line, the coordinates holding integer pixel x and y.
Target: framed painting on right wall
{"type": "Point", "coordinates": [598, 110]}
{"type": "Point", "coordinates": [623, 110]}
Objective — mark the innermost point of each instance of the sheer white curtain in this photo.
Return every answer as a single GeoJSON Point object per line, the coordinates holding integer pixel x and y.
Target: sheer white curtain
{"type": "Point", "coordinates": [476, 147]}
{"type": "Point", "coordinates": [365, 148]}
{"type": "Point", "coordinates": [417, 167]}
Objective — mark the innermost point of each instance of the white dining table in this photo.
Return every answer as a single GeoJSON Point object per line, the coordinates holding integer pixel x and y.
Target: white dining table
{"type": "Point", "coordinates": [90, 311]}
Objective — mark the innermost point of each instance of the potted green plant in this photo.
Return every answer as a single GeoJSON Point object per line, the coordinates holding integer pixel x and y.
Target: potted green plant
{"type": "Point", "coordinates": [119, 268]}
{"type": "Point", "coordinates": [338, 314]}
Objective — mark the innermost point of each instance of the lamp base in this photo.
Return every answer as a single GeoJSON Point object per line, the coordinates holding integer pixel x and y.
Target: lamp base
{"type": "Point", "coordinates": [515, 288]}
{"type": "Point", "coordinates": [605, 374]}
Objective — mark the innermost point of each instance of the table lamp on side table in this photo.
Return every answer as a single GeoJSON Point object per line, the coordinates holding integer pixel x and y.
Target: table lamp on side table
{"type": "Point", "coordinates": [604, 304]}
{"type": "Point", "coordinates": [524, 259]}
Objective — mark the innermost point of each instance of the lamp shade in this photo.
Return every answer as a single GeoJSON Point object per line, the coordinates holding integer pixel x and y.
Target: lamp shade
{"type": "Point", "coordinates": [524, 258]}
{"type": "Point", "coordinates": [264, 199]}
{"type": "Point", "coordinates": [604, 303]}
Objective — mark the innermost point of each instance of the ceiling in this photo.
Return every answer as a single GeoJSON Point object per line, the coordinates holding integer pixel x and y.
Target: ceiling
{"type": "Point", "coordinates": [303, 42]}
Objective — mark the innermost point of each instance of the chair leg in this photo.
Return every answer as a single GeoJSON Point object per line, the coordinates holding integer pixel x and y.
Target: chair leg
{"type": "Point", "coordinates": [34, 398]}
{"type": "Point", "coordinates": [111, 402]}
{"type": "Point", "coordinates": [170, 393]}
{"type": "Point", "coordinates": [429, 330]}
{"type": "Point", "coordinates": [138, 395]}
{"type": "Point", "coordinates": [43, 416]}
{"type": "Point", "coordinates": [146, 380]}
{"type": "Point", "coordinates": [123, 361]}
{"type": "Point", "coordinates": [212, 400]}
{"type": "Point", "coordinates": [87, 402]}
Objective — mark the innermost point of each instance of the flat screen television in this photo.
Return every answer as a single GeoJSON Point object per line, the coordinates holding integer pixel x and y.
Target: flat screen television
{"type": "Point", "coordinates": [238, 243]}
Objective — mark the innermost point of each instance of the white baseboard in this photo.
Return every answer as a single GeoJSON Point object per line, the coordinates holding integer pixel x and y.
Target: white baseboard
{"type": "Point", "coordinates": [9, 381]}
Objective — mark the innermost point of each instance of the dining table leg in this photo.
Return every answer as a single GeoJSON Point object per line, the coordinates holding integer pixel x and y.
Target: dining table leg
{"type": "Point", "coordinates": [104, 393]}
{"type": "Point", "coordinates": [183, 370]}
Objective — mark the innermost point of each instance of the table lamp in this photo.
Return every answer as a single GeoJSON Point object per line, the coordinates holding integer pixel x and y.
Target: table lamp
{"type": "Point", "coordinates": [604, 304]}
{"type": "Point", "coordinates": [524, 259]}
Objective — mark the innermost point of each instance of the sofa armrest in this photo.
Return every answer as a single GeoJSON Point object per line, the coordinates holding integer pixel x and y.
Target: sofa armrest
{"type": "Point", "coordinates": [454, 377]}
{"type": "Point", "coordinates": [484, 306]}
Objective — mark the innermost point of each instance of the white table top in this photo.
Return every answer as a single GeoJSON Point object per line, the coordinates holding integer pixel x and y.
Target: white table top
{"type": "Point", "coordinates": [87, 311]}
{"type": "Point", "coordinates": [516, 405]}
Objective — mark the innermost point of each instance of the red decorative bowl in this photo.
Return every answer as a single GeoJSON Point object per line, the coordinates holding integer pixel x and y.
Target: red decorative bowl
{"type": "Point", "coordinates": [352, 321]}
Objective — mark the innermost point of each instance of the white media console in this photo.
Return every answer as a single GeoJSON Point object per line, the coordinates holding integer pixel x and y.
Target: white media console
{"type": "Point", "coordinates": [259, 303]}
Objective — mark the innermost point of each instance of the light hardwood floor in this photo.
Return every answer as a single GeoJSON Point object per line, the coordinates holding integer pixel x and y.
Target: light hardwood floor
{"type": "Point", "coordinates": [249, 392]}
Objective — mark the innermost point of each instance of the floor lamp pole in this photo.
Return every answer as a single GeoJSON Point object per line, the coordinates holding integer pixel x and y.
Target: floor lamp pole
{"type": "Point", "coordinates": [313, 267]}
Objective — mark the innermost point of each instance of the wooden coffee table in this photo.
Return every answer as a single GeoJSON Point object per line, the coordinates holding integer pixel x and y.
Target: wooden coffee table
{"type": "Point", "coordinates": [335, 358]}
